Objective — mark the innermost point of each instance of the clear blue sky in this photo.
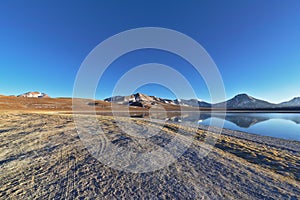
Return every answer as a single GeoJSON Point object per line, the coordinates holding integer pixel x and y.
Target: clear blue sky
{"type": "Point", "coordinates": [255, 44]}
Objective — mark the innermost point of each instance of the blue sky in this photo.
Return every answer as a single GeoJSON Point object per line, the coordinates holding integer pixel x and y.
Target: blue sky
{"type": "Point", "coordinates": [255, 44]}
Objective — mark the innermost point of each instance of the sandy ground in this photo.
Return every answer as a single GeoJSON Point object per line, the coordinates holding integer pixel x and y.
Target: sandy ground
{"type": "Point", "coordinates": [42, 157]}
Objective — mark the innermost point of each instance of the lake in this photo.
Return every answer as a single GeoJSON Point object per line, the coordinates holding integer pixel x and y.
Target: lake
{"type": "Point", "coordinates": [280, 125]}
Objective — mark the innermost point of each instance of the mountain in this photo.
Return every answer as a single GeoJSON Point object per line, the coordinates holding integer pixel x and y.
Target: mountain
{"type": "Point", "coordinates": [295, 102]}
{"type": "Point", "coordinates": [143, 100]}
{"type": "Point", "coordinates": [139, 99]}
{"type": "Point", "coordinates": [34, 95]}
{"type": "Point", "coordinates": [243, 101]}
{"type": "Point", "coordinates": [192, 102]}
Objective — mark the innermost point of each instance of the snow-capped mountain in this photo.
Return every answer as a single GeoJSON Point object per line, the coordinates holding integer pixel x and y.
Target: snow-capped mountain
{"type": "Point", "coordinates": [34, 95]}
{"type": "Point", "coordinates": [243, 101]}
{"type": "Point", "coordinates": [295, 102]}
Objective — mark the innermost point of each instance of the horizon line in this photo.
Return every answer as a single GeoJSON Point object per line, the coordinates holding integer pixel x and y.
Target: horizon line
{"type": "Point", "coordinates": [243, 93]}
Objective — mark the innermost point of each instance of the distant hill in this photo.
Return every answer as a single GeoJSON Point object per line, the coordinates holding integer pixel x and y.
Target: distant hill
{"type": "Point", "coordinates": [34, 95]}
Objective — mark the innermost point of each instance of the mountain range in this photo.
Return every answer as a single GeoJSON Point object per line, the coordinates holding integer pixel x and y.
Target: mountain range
{"type": "Point", "coordinates": [143, 100]}
{"type": "Point", "coordinates": [239, 102]}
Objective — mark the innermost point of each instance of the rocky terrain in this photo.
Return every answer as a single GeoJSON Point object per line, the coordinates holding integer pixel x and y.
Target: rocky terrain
{"type": "Point", "coordinates": [42, 157]}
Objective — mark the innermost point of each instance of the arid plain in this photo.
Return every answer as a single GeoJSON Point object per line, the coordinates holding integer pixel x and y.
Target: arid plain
{"type": "Point", "coordinates": [43, 157]}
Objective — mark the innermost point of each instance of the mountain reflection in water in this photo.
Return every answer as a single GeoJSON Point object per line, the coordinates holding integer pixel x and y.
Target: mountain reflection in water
{"type": "Point", "coordinates": [281, 125]}
{"type": "Point", "coordinates": [243, 120]}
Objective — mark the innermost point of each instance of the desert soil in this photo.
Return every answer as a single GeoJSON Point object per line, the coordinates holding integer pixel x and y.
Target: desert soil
{"type": "Point", "coordinates": [42, 157]}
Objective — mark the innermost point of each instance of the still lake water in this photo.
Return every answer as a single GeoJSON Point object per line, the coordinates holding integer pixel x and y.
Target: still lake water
{"type": "Point", "coordinates": [280, 125]}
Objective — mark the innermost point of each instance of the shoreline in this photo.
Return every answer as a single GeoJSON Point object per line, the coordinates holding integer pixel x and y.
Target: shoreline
{"type": "Point", "coordinates": [136, 113]}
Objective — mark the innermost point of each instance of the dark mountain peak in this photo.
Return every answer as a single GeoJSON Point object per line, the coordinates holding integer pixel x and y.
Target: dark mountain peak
{"type": "Point", "coordinates": [138, 94]}
{"type": "Point", "coordinates": [142, 97]}
{"type": "Point", "coordinates": [243, 96]}
{"type": "Point", "coordinates": [296, 99]}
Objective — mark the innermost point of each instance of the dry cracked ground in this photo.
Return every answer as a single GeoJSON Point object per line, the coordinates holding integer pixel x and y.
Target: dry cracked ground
{"type": "Point", "coordinates": [43, 157]}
